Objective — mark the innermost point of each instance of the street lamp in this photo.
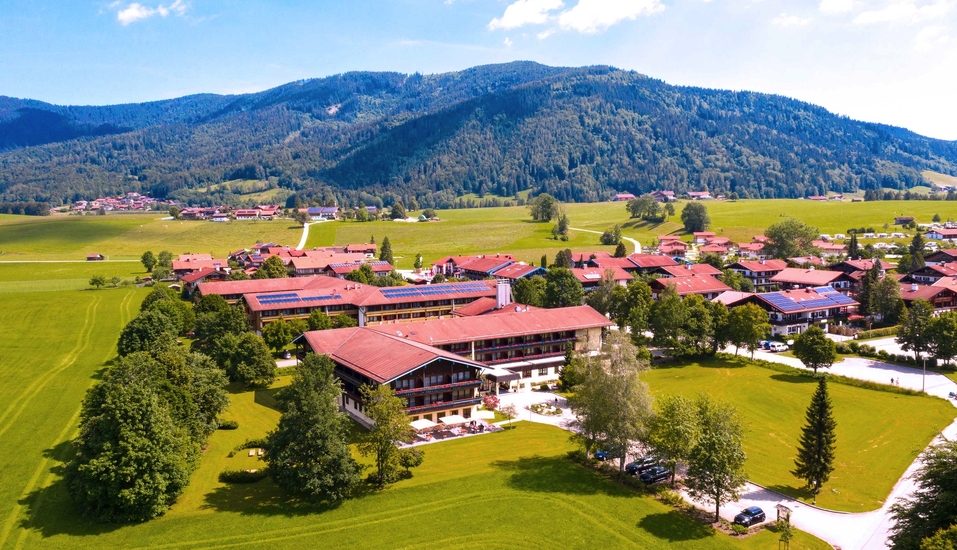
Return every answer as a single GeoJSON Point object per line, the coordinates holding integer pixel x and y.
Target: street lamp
{"type": "Point", "coordinates": [923, 376]}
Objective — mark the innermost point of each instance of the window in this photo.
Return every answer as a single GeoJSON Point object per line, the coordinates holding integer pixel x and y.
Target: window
{"type": "Point", "coordinates": [427, 417]}
{"type": "Point", "coordinates": [527, 373]}
{"type": "Point", "coordinates": [543, 371]}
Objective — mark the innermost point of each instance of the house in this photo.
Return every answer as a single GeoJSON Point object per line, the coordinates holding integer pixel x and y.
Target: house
{"type": "Point", "coordinates": [942, 234]}
{"type": "Point", "coordinates": [647, 263]}
{"type": "Point", "coordinates": [719, 250]}
{"type": "Point", "coordinates": [930, 274]}
{"type": "Point", "coordinates": [317, 213]}
{"type": "Point", "coordinates": [663, 196]}
{"type": "Point", "coordinates": [792, 312]}
{"type": "Point", "coordinates": [452, 265]}
{"type": "Point", "coordinates": [829, 249]}
{"type": "Point", "coordinates": [316, 264]}
{"type": "Point", "coordinates": [943, 297]}
{"type": "Point", "coordinates": [705, 285]}
{"type": "Point", "coordinates": [269, 211]}
{"type": "Point", "coordinates": [340, 270]}
{"type": "Point", "coordinates": [686, 270]}
{"type": "Point", "coordinates": [592, 277]}
{"type": "Point", "coordinates": [624, 197]}
{"type": "Point", "coordinates": [182, 267]}
{"type": "Point", "coordinates": [817, 198]}
{"type": "Point", "coordinates": [699, 195]}
{"type": "Point", "coordinates": [191, 280]}
{"type": "Point", "coordinates": [220, 217]}
{"type": "Point", "coordinates": [702, 237]}
{"type": "Point", "coordinates": [95, 257]}
{"type": "Point", "coordinates": [754, 251]}
{"type": "Point", "coordinates": [851, 266]}
{"type": "Point", "coordinates": [518, 270]}
{"type": "Point", "coordinates": [759, 272]}
{"type": "Point", "coordinates": [904, 220]}
{"type": "Point", "coordinates": [676, 249]}
{"type": "Point", "coordinates": [246, 214]}
{"type": "Point", "coordinates": [481, 268]}
{"type": "Point", "coordinates": [808, 260]}
{"type": "Point", "coordinates": [795, 278]}
{"type": "Point", "coordinates": [942, 256]}
{"type": "Point", "coordinates": [439, 366]}
{"type": "Point", "coordinates": [368, 249]}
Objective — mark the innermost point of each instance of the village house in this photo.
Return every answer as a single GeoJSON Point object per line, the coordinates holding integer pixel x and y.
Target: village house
{"type": "Point", "coordinates": [246, 214]}
{"type": "Point", "coordinates": [942, 256]}
{"type": "Point", "coordinates": [483, 267]}
{"type": "Point", "coordinates": [930, 274]}
{"type": "Point", "coordinates": [686, 270]}
{"type": "Point", "coordinates": [317, 213]}
{"type": "Point", "coordinates": [624, 197]}
{"type": "Point", "coordinates": [705, 285]}
{"type": "Point", "coordinates": [340, 270]}
{"type": "Point", "coordinates": [942, 234]}
{"type": "Point", "coordinates": [942, 297]}
{"type": "Point", "coordinates": [663, 196]}
{"type": "Point", "coordinates": [829, 249]}
{"type": "Point", "coordinates": [699, 195]}
{"type": "Point", "coordinates": [519, 270]}
{"type": "Point", "coordinates": [592, 277]}
{"type": "Point", "coordinates": [791, 312]}
{"type": "Point", "coordinates": [647, 263]}
{"type": "Point", "coordinates": [759, 272]}
{"type": "Point", "coordinates": [795, 278]}
{"type": "Point", "coordinates": [702, 237]}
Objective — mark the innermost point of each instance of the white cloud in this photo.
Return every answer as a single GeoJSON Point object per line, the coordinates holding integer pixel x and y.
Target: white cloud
{"type": "Point", "coordinates": [836, 6]}
{"type": "Point", "coordinates": [905, 11]}
{"type": "Point", "coordinates": [137, 12]}
{"type": "Point", "coordinates": [591, 16]}
{"type": "Point", "coordinates": [507, 42]}
{"type": "Point", "coordinates": [545, 34]}
{"type": "Point", "coordinates": [525, 12]}
{"type": "Point", "coordinates": [930, 38]}
{"type": "Point", "coordinates": [786, 20]}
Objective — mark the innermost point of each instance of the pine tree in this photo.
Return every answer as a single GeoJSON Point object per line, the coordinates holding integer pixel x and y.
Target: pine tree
{"type": "Point", "coordinates": [620, 251]}
{"type": "Point", "coordinates": [815, 460]}
{"type": "Point", "coordinates": [385, 253]}
{"type": "Point", "coordinates": [853, 249]}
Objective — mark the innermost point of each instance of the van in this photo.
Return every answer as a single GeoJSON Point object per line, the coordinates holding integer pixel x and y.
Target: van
{"type": "Point", "coordinates": [777, 346]}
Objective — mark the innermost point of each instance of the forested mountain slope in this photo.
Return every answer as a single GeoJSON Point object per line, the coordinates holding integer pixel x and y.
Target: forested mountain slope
{"type": "Point", "coordinates": [578, 133]}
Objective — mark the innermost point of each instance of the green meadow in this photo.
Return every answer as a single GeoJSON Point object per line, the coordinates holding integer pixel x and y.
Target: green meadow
{"type": "Point", "coordinates": [879, 433]}
{"type": "Point", "coordinates": [462, 231]}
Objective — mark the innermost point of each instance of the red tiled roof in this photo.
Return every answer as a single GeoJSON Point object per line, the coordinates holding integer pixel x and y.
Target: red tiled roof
{"type": "Point", "coordinates": [478, 307]}
{"type": "Point", "coordinates": [946, 282]}
{"type": "Point", "coordinates": [597, 274]}
{"type": "Point", "coordinates": [669, 247]}
{"type": "Point", "coordinates": [825, 245]}
{"type": "Point", "coordinates": [751, 247]}
{"type": "Point", "coordinates": [515, 271]}
{"type": "Point", "coordinates": [646, 261]}
{"type": "Point", "coordinates": [799, 296]}
{"type": "Point", "coordinates": [381, 356]}
{"type": "Point", "coordinates": [947, 269]}
{"type": "Point", "coordinates": [864, 265]}
{"type": "Point", "coordinates": [813, 260]}
{"type": "Point", "coordinates": [623, 263]}
{"type": "Point", "coordinates": [719, 240]}
{"type": "Point", "coordinates": [732, 296]}
{"type": "Point", "coordinates": [945, 232]}
{"type": "Point", "coordinates": [263, 286]}
{"type": "Point", "coordinates": [324, 260]}
{"type": "Point", "coordinates": [813, 277]}
{"type": "Point", "coordinates": [345, 268]}
{"type": "Point", "coordinates": [689, 269]}
{"type": "Point", "coordinates": [484, 265]}
{"type": "Point", "coordinates": [194, 257]}
{"type": "Point", "coordinates": [767, 265]}
{"type": "Point", "coordinates": [923, 292]}
{"type": "Point", "coordinates": [197, 275]}
{"type": "Point", "coordinates": [507, 324]}
{"type": "Point", "coordinates": [666, 238]}
{"type": "Point", "coordinates": [714, 248]}
{"type": "Point", "coordinates": [695, 284]}
{"type": "Point", "coordinates": [703, 233]}
{"type": "Point", "coordinates": [365, 248]}
{"type": "Point", "coordinates": [760, 239]}
{"type": "Point", "coordinates": [195, 265]}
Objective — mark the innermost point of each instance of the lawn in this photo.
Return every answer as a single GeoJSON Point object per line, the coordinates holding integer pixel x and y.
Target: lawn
{"type": "Point", "coordinates": [879, 434]}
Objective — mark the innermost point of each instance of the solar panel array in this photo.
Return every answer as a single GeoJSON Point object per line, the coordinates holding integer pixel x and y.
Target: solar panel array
{"type": "Point", "coordinates": [293, 298]}
{"type": "Point", "coordinates": [829, 298]}
{"type": "Point", "coordinates": [433, 290]}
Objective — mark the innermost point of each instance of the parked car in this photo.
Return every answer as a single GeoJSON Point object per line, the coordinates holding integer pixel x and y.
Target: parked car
{"type": "Point", "coordinates": [607, 454]}
{"type": "Point", "coordinates": [750, 516]}
{"type": "Point", "coordinates": [640, 465]}
{"type": "Point", "coordinates": [655, 474]}
{"type": "Point", "coordinates": [777, 346]}
{"type": "Point", "coordinates": [287, 355]}
{"type": "Point", "coordinates": [764, 344]}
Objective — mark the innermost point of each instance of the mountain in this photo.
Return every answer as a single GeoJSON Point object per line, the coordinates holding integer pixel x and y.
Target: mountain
{"type": "Point", "coordinates": [581, 134]}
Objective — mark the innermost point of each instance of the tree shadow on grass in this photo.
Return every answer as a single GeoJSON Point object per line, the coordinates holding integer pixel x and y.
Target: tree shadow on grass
{"type": "Point", "coordinates": [802, 493]}
{"type": "Point", "coordinates": [267, 398]}
{"type": "Point", "coordinates": [795, 378]}
{"type": "Point", "coordinates": [674, 526]}
{"type": "Point", "coordinates": [268, 499]}
{"type": "Point", "coordinates": [558, 474]}
{"type": "Point", "coordinates": [50, 510]}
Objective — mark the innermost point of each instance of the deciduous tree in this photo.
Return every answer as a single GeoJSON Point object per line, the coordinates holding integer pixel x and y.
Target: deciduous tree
{"type": "Point", "coordinates": [543, 207]}
{"type": "Point", "coordinates": [695, 217]}
{"type": "Point", "coordinates": [308, 453]}
{"type": "Point", "coordinates": [272, 268]}
{"type": "Point", "coordinates": [790, 238]}
{"type": "Point", "coordinates": [390, 427]}
{"type": "Point", "coordinates": [673, 431]}
{"type": "Point", "coordinates": [148, 260]}
{"type": "Point", "coordinates": [562, 289]}
{"type": "Point", "coordinates": [530, 291]}
{"type": "Point", "coordinates": [667, 318]}
{"type": "Point", "coordinates": [149, 331]}
{"type": "Point", "coordinates": [716, 463]}
{"type": "Point", "coordinates": [747, 325]}
{"type": "Point", "coordinates": [913, 334]}
{"type": "Point", "coordinates": [930, 508]}
{"type": "Point", "coordinates": [815, 349]}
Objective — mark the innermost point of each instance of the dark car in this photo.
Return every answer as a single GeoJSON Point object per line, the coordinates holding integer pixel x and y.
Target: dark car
{"type": "Point", "coordinates": [607, 454]}
{"type": "Point", "coordinates": [750, 516]}
{"type": "Point", "coordinates": [655, 474]}
{"type": "Point", "coordinates": [640, 465]}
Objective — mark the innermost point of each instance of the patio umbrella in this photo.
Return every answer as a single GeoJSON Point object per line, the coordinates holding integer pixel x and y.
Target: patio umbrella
{"type": "Point", "coordinates": [453, 419]}
{"type": "Point", "coordinates": [423, 424]}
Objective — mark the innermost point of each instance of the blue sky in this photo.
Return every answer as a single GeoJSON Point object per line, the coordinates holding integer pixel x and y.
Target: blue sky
{"type": "Point", "coordinates": [891, 61]}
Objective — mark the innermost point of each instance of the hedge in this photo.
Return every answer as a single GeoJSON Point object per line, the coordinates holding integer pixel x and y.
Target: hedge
{"type": "Point", "coordinates": [242, 476]}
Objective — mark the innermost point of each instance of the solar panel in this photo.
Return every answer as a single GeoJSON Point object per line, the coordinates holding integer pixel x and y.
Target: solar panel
{"type": "Point", "coordinates": [781, 302]}
{"type": "Point", "coordinates": [841, 299]}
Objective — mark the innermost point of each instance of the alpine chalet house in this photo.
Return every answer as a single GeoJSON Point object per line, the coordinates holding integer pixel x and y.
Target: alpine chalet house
{"type": "Point", "coordinates": [436, 364]}
{"type": "Point", "coordinates": [792, 312]}
{"type": "Point", "coordinates": [705, 285]}
{"type": "Point", "coordinates": [795, 278]}
{"type": "Point", "coordinates": [759, 272]}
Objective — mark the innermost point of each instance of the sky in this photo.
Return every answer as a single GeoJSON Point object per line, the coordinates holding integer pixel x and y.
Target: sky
{"type": "Point", "coordinates": [888, 61]}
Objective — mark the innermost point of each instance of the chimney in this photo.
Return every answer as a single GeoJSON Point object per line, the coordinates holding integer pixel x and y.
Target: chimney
{"type": "Point", "coordinates": [913, 287]}
{"type": "Point", "coordinates": [503, 294]}
{"type": "Point", "coordinates": [688, 267]}
{"type": "Point", "coordinates": [762, 261]}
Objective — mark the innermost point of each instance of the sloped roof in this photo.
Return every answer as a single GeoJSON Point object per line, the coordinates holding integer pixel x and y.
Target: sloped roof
{"type": "Point", "coordinates": [924, 292]}
{"type": "Point", "coordinates": [689, 269]}
{"type": "Point", "coordinates": [729, 297]}
{"type": "Point", "coordinates": [814, 277]}
{"type": "Point", "coordinates": [268, 285]}
{"type": "Point", "coordinates": [757, 265]}
{"type": "Point", "coordinates": [646, 261]}
{"type": "Point", "coordinates": [516, 271]}
{"type": "Point", "coordinates": [484, 265]}
{"type": "Point", "coordinates": [478, 307]}
{"type": "Point", "coordinates": [597, 274]}
{"type": "Point", "coordinates": [805, 299]}
{"type": "Point", "coordinates": [506, 324]}
{"type": "Point", "coordinates": [694, 284]}
{"type": "Point", "coordinates": [381, 356]}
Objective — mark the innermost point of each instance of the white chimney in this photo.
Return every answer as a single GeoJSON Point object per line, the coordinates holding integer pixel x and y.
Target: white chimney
{"type": "Point", "coordinates": [503, 293]}
{"type": "Point", "coordinates": [913, 287]}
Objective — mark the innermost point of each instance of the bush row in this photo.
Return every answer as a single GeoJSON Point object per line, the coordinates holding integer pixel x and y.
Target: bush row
{"type": "Point", "coordinates": [254, 443]}
{"type": "Point", "coordinates": [242, 476]}
{"type": "Point", "coordinates": [865, 350]}
{"type": "Point", "coordinates": [228, 425]}
{"type": "Point", "coordinates": [877, 333]}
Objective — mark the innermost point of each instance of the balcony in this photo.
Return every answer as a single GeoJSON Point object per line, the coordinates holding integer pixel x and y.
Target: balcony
{"type": "Point", "coordinates": [444, 405]}
{"type": "Point", "coordinates": [526, 344]}
{"type": "Point", "coordinates": [437, 388]}
{"type": "Point", "coordinates": [526, 357]}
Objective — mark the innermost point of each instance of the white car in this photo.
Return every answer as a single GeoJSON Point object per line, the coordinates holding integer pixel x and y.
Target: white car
{"type": "Point", "coordinates": [777, 346]}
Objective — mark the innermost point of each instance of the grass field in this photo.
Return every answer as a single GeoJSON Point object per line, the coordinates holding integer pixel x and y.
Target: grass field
{"type": "Point", "coordinates": [878, 433]}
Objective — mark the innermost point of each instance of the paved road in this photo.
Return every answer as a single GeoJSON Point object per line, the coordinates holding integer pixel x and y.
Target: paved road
{"type": "Point", "coordinates": [305, 234]}
{"type": "Point", "coordinates": [635, 243]}
{"type": "Point", "coordinates": [858, 531]}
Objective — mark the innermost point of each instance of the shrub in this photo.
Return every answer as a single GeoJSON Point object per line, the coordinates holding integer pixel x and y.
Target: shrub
{"type": "Point", "coordinates": [252, 444]}
{"type": "Point", "coordinates": [242, 476]}
{"type": "Point", "coordinates": [543, 387]}
{"type": "Point", "coordinates": [228, 424]}
{"type": "Point", "coordinates": [671, 498]}
{"type": "Point", "coordinates": [739, 529]}
{"type": "Point", "coordinates": [883, 354]}
{"type": "Point", "coordinates": [877, 333]}
{"type": "Point", "coordinates": [577, 456]}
